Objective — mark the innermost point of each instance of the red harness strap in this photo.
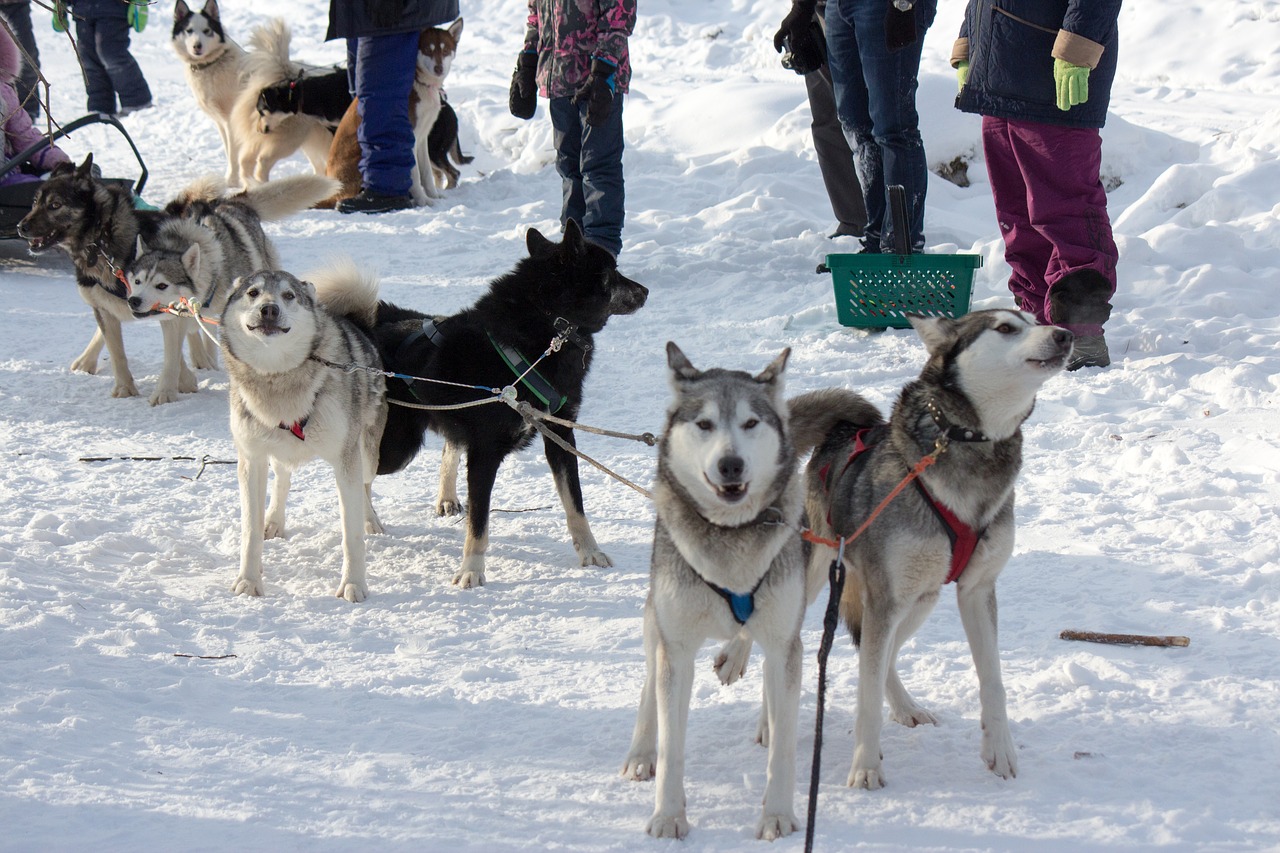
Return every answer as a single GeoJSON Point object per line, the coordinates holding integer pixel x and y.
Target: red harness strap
{"type": "Point", "coordinates": [964, 539]}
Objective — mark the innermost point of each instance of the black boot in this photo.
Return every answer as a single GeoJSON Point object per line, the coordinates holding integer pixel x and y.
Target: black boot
{"type": "Point", "coordinates": [369, 201]}
{"type": "Point", "coordinates": [1079, 303]}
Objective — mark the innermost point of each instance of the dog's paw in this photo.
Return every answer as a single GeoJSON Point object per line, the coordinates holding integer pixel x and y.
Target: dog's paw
{"type": "Point", "coordinates": [999, 752]}
{"type": "Point", "coordinates": [871, 778]}
{"type": "Point", "coordinates": [468, 579]}
{"type": "Point", "coordinates": [668, 826]}
{"type": "Point", "coordinates": [594, 557]}
{"type": "Point", "coordinates": [373, 525]}
{"type": "Point", "coordinates": [187, 383]}
{"type": "Point", "coordinates": [640, 767]}
{"type": "Point", "coordinates": [273, 529]}
{"type": "Point", "coordinates": [449, 507]}
{"type": "Point", "coordinates": [774, 826]}
{"type": "Point", "coordinates": [912, 716]}
{"type": "Point", "coordinates": [248, 586]}
{"type": "Point", "coordinates": [353, 592]}
{"type": "Point", "coordinates": [160, 396]}
{"type": "Point", "coordinates": [731, 662]}
{"type": "Point", "coordinates": [125, 389]}
{"type": "Point", "coordinates": [85, 365]}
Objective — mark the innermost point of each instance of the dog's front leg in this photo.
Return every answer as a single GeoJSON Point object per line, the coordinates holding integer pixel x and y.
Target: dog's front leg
{"type": "Point", "coordinates": [114, 339]}
{"type": "Point", "coordinates": [252, 474]}
{"type": "Point", "coordinates": [564, 467]}
{"type": "Point", "coordinates": [88, 360]}
{"type": "Point", "coordinates": [978, 614]}
{"type": "Point", "coordinates": [447, 502]}
{"type": "Point", "coordinates": [643, 754]}
{"type": "Point", "coordinates": [204, 352]}
{"type": "Point", "coordinates": [674, 688]}
{"type": "Point", "coordinates": [171, 332]}
{"type": "Point", "coordinates": [482, 470]}
{"type": "Point", "coordinates": [273, 526]}
{"type": "Point", "coordinates": [351, 504]}
{"type": "Point", "coordinates": [782, 667]}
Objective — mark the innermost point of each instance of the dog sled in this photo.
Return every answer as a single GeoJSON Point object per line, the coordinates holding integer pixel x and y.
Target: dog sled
{"type": "Point", "coordinates": [16, 199]}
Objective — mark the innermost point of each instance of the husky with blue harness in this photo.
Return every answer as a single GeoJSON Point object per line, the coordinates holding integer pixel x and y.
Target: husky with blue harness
{"type": "Point", "coordinates": [727, 562]}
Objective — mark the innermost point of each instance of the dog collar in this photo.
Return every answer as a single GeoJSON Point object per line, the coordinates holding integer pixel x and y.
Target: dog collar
{"type": "Point", "coordinates": [569, 332]}
{"type": "Point", "coordinates": [529, 377]}
{"type": "Point", "coordinates": [950, 430]}
{"type": "Point", "coordinates": [297, 428]}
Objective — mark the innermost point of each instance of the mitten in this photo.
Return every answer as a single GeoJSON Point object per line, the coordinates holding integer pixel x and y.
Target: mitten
{"type": "Point", "coordinates": [138, 15]}
{"type": "Point", "coordinates": [900, 24]}
{"type": "Point", "coordinates": [523, 99]}
{"type": "Point", "coordinates": [801, 43]}
{"type": "Point", "coordinates": [597, 92]}
{"type": "Point", "coordinates": [962, 72]}
{"type": "Point", "coordinates": [1072, 82]}
{"type": "Point", "coordinates": [60, 16]}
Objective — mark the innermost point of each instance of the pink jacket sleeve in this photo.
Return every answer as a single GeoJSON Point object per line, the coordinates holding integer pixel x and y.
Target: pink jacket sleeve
{"type": "Point", "coordinates": [19, 133]}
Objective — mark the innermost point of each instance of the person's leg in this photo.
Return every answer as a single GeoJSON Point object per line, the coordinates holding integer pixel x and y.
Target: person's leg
{"type": "Point", "coordinates": [385, 67]}
{"type": "Point", "coordinates": [603, 190]}
{"type": "Point", "coordinates": [891, 83]}
{"type": "Point", "coordinates": [19, 17]}
{"type": "Point", "coordinates": [112, 46]}
{"type": "Point", "coordinates": [1025, 249]}
{"type": "Point", "coordinates": [566, 134]}
{"type": "Point", "coordinates": [849, 89]}
{"type": "Point", "coordinates": [835, 160]}
{"type": "Point", "coordinates": [97, 83]}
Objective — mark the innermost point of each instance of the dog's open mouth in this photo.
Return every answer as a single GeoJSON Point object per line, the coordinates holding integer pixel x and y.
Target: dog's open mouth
{"type": "Point", "coordinates": [269, 329]}
{"type": "Point", "coordinates": [39, 244]}
{"type": "Point", "coordinates": [731, 492]}
{"type": "Point", "coordinates": [1051, 363]}
{"type": "Point", "coordinates": [150, 313]}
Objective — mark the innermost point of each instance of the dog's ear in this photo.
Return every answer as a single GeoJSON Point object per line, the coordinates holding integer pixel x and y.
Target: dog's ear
{"type": "Point", "coordinates": [139, 248]}
{"type": "Point", "coordinates": [64, 168]}
{"type": "Point", "coordinates": [455, 29]}
{"type": "Point", "coordinates": [191, 259]}
{"type": "Point", "coordinates": [681, 367]}
{"type": "Point", "coordinates": [573, 245]}
{"type": "Point", "coordinates": [772, 375]}
{"type": "Point", "coordinates": [210, 9]}
{"type": "Point", "coordinates": [938, 333]}
{"type": "Point", "coordinates": [85, 169]}
{"type": "Point", "coordinates": [180, 10]}
{"type": "Point", "coordinates": [539, 246]}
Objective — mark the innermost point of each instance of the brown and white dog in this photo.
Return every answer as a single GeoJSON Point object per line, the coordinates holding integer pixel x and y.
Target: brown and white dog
{"type": "Point", "coordinates": [437, 47]}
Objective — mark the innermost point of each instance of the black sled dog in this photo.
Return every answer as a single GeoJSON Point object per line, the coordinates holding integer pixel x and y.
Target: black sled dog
{"type": "Point", "coordinates": [568, 289]}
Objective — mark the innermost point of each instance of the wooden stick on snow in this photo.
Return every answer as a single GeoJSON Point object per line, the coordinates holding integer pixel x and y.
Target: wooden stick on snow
{"type": "Point", "coordinates": [1124, 639]}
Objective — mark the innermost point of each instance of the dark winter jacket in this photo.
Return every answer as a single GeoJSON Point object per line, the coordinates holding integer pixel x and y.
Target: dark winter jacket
{"type": "Point", "coordinates": [568, 34]}
{"type": "Point", "coordinates": [1011, 44]}
{"type": "Point", "coordinates": [355, 18]}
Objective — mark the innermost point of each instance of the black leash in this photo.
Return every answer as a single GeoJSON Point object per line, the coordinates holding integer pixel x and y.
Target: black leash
{"type": "Point", "coordinates": [829, 620]}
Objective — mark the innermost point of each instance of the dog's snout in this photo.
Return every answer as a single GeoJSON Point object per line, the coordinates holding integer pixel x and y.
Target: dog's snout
{"type": "Point", "coordinates": [1062, 337]}
{"type": "Point", "coordinates": [135, 302]}
{"type": "Point", "coordinates": [731, 468]}
{"type": "Point", "coordinates": [270, 312]}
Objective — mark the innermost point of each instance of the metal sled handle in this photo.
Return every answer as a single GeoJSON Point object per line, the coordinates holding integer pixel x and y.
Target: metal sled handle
{"type": "Point", "coordinates": [69, 128]}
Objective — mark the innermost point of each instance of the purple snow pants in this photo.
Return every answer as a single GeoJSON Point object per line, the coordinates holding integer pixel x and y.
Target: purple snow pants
{"type": "Point", "coordinates": [1050, 204]}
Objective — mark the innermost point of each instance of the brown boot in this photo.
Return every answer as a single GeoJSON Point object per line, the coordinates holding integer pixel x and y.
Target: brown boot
{"type": "Point", "coordinates": [1079, 302]}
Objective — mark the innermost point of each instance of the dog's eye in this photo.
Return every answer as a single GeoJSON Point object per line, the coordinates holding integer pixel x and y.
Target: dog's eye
{"type": "Point", "coordinates": [160, 286]}
{"type": "Point", "coordinates": [55, 205]}
{"type": "Point", "coordinates": [252, 294]}
{"type": "Point", "coordinates": [1007, 329]}
{"type": "Point", "coordinates": [705, 425]}
{"type": "Point", "coordinates": [289, 296]}
{"type": "Point", "coordinates": [751, 424]}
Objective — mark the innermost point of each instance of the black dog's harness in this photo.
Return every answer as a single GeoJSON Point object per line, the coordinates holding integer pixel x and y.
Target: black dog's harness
{"type": "Point", "coordinates": [964, 539]}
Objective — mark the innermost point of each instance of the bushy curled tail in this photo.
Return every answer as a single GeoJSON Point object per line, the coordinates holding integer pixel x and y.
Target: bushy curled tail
{"type": "Point", "coordinates": [345, 290]}
{"type": "Point", "coordinates": [267, 60]}
{"type": "Point", "coordinates": [283, 197]}
{"type": "Point", "coordinates": [815, 413]}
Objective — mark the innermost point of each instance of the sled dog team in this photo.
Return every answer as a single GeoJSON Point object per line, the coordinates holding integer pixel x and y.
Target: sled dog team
{"type": "Point", "coordinates": [311, 361]}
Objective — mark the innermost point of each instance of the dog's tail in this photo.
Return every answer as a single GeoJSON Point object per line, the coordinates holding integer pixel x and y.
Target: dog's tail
{"type": "Point", "coordinates": [268, 58]}
{"type": "Point", "coordinates": [812, 415]}
{"type": "Point", "coordinates": [286, 196]}
{"type": "Point", "coordinates": [455, 151]}
{"type": "Point", "coordinates": [344, 289]}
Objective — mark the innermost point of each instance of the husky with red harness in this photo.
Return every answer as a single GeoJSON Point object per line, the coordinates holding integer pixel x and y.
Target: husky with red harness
{"type": "Point", "coordinates": [952, 523]}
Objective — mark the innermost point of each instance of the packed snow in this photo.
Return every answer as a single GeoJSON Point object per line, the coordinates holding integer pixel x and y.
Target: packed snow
{"type": "Point", "coordinates": [145, 707]}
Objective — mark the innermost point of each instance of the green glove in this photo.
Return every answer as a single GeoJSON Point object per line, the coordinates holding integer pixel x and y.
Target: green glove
{"type": "Point", "coordinates": [1072, 82]}
{"type": "Point", "coordinates": [137, 15]}
{"type": "Point", "coordinates": [59, 16]}
{"type": "Point", "coordinates": [962, 72]}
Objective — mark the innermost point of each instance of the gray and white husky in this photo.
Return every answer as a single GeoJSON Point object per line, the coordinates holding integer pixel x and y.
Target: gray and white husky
{"type": "Point", "coordinates": [289, 346]}
{"type": "Point", "coordinates": [726, 557]}
{"type": "Point", "coordinates": [954, 523]}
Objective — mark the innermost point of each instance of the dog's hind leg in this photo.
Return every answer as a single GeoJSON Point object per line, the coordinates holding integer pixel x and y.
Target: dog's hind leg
{"type": "Point", "coordinates": [447, 502]}
{"type": "Point", "coordinates": [252, 474]}
{"type": "Point", "coordinates": [204, 352]}
{"type": "Point", "coordinates": [875, 652]}
{"type": "Point", "coordinates": [114, 340]}
{"type": "Point", "coordinates": [902, 708]}
{"type": "Point", "coordinates": [642, 757]}
{"type": "Point", "coordinates": [273, 524]}
{"type": "Point", "coordinates": [87, 362]}
{"type": "Point", "coordinates": [369, 458]}
{"type": "Point", "coordinates": [564, 467]}
{"type": "Point", "coordinates": [316, 147]}
{"type": "Point", "coordinates": [978, 614]}
{"type": "Point", "coordinates": [352, 497]}
{"type": "Point", "coordinates": [482, 470]}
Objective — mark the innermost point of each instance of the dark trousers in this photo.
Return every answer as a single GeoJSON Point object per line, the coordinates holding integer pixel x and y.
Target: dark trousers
{"type": "Point", "coordinates": [835, 159]}
{"type": "Point", "coordinates": [19, 17]}
{"type": "Point", "coordinates": [875, 95]}
{"type": "Point", "coordinates": [589, 160]}
{"type": "Point", "coordinates": [109, 69]}
{"type": "Point", "coordinates": [383, 78]}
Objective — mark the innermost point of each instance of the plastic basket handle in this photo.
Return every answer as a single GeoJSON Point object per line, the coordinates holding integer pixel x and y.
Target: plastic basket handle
{"type": "Point", "coordinates": [898, 209]}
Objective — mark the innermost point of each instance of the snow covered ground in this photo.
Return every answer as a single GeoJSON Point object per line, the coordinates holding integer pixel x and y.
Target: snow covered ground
{"type": "Point", "coordinates": [496, 719]}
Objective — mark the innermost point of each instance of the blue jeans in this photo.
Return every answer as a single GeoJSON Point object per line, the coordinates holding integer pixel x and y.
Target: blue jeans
{"type": "Point", "coordinates": [383, 77]}
{"type": "Point", "coordinates": [875, 92]}
{"type": "Point", "coordinates": [109, 68]}
{"type": "Point", "coordinates": [589, 160]}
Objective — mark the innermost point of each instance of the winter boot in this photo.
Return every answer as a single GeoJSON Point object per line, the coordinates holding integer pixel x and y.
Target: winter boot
{"type": "Point", "coordinates": [1079, 303]}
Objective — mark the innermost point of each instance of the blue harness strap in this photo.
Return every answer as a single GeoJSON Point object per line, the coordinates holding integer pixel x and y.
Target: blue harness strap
{"type": "Point", "coordinates": [741, 604]}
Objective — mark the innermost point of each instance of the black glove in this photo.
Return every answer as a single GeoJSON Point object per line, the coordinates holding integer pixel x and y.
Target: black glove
{"type": "Point", "coordinates": [597, 91]}
{"type": "Point", "coordinates": [523, 100]}
{"type": "Point", "coordinates": [900, 24]}
{"type": "Point", "coordinates": [800, 39]}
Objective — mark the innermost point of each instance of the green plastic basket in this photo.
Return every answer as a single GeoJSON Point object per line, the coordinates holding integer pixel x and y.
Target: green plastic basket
{"type": "Point", "coordinates": [879, 291]}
